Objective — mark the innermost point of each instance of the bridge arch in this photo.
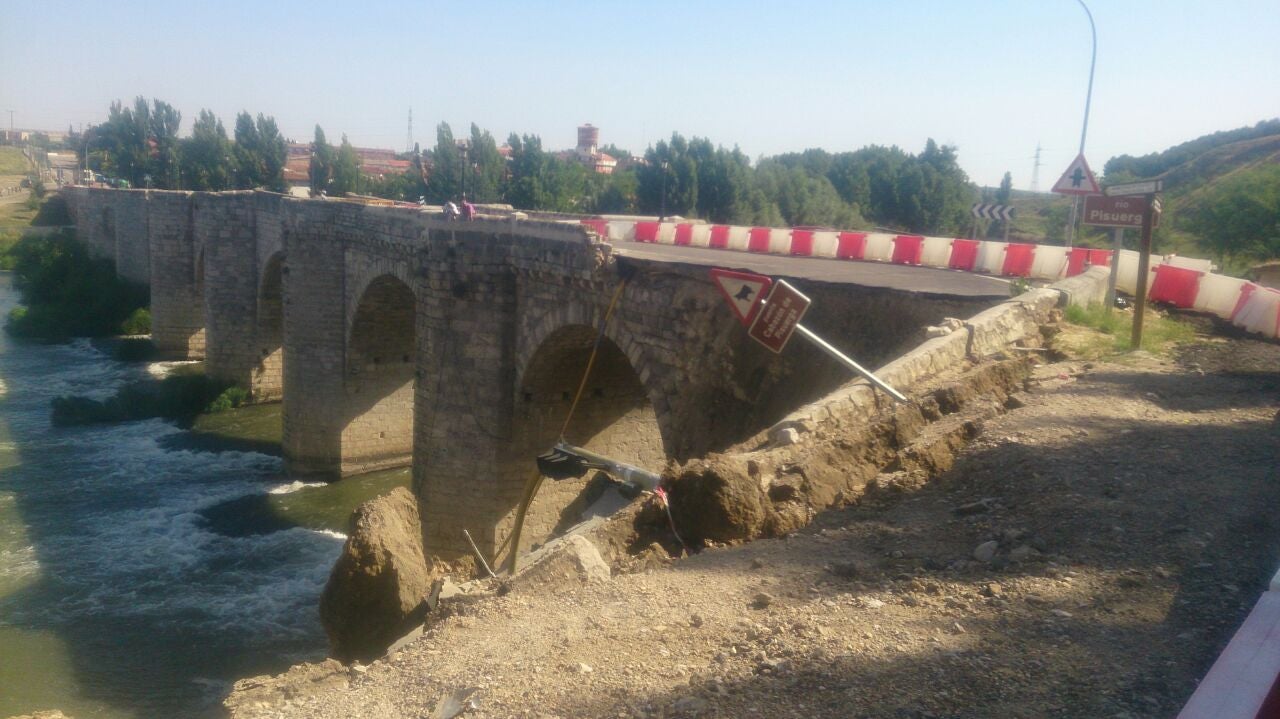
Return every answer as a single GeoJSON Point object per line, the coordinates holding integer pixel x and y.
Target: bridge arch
{"type": "Point", "coordinates": [267, 376]}
{"type": "Point", "coordinates": [615, 415]}
{"type": "Point", "coordinates": [380, 364]}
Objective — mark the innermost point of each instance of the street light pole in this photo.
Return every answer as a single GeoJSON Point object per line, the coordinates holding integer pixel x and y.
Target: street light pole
{"type": "Point", "coordinates": [1084, 130]}
{"type": "Point", "coordinates": [465, 166]}
{"type": "Point", "coordinates": [662, 216]}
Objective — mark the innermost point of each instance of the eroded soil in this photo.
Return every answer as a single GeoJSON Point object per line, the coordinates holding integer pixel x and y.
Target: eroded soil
{"type": "Point", "coordinates": [1129, 515]}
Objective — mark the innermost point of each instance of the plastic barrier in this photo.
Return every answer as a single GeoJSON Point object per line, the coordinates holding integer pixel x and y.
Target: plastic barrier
{"type": "Point", "coordinates": [1017, 260]}
{"type": "Point", "coordinates": [802, 242]}
{"type": "Point", "coordinates": [990, 257]}
{"type": "Point", "coordinates": [1181, 281]}
{"type": "Point", "coordinates": [1260, 312]}
{"type": "Point", "coordinates": [1127, 274]}
{"type": "Point", "coordinates": [1189, 263]}
{"type": "Point", "coordinates": [646, 231]}
{"type": "Point", "coordinates": [1245, 293]}
{"type": "Point", "coordinates": [1242, 682]}
{"type": "Point", "coordinates": [826, 243]}
{"type": "Point", "coordinates": [719, 237]}
{"type": "Point", "coordinates": [1175, 286]}
{"type": "Point", "coordinates": [624, 230]}
{"type": "Point", "coordinates": [779, 241]}
{"type": "Point", "coordinates": [684, 234]}
{"type": "Point", "coordinates": [879, 247]}
{"type": "Point", "coordinates": [1077, 260]}
{"type": "Point", "coordinates": [1049, 262]}
{"type": "Point", "coordinates": [907, 249]}
{"type": "Point", "coordinates": [1218, 294]}
{"type": "Point", "coordinates": [853, 245]}
{"type": "Point", "coordinates": [935, 252]}
{"type": "Point", "coordinates": [964, 254]}
{"type": "Point", "coordinates": [601, 227]}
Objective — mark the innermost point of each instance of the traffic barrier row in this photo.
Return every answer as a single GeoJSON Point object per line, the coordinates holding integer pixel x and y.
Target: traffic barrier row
{"type": "Point", "coordinates": [1179, 281]}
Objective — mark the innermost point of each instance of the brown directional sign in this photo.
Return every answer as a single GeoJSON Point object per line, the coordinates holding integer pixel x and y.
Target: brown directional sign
{"type": "Point", "coordinates": [1125, 212]}
{"type": "Point", "coordinates": [779, 316]}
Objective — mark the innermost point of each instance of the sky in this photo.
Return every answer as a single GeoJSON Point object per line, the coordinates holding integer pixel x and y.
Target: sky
{"type": "Point", "coordinates": [993, 78]}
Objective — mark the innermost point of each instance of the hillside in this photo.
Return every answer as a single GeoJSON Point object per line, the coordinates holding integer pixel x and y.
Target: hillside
{"type": "Point", "coordinates": [1197, 173]}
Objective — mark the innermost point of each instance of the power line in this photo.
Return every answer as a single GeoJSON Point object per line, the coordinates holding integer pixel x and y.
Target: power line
{"type": "Point", "coordinates": [408, 144]}
{"type": "Point", "coordinates": [1036, 170]}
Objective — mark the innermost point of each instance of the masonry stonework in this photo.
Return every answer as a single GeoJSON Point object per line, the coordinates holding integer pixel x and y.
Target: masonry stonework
{"type": "Point", "coordinates": [396, 338]}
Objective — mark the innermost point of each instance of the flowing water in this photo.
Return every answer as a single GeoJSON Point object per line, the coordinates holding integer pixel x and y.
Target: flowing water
{"type": "Point", "coordinates": [139, 578]}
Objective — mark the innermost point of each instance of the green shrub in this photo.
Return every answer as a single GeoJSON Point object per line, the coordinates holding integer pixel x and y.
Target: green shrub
{"type": "Point", "coordinates": [177, 397]}
{"type": "Point", "coordinates": [137, 323]}
{"type": "Point", "coordinates": [230, 398]}
{"type": "Point", "coordinates": [67, 292]}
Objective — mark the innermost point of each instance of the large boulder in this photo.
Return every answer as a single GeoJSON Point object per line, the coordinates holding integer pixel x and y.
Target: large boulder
{"type": "Point", "coordinates": [378, 588]}
{"type": "Point", "coordinates": [562, 564]}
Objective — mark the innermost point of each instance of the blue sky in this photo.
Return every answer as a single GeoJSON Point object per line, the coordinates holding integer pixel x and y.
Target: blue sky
{"type": "Point", "coordinates": [992, 77]}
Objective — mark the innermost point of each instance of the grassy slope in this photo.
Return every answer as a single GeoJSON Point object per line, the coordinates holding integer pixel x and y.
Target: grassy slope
{"type": "Point", "coordinates": [13, 162]}
{"type": "Point", "coordinates": [1186, 185]}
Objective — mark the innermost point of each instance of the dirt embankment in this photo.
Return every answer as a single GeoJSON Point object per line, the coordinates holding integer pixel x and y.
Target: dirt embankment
{"type": "Point", "coordinates": [1087, 555]}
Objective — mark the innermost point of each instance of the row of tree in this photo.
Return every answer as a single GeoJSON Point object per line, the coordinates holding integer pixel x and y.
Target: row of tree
{"type": "Point", "coordinates": [885, 186]}
{"type": "Point", "coordinates": [140, 144]}
{"type": "Point", "coordinates": [695, 178]}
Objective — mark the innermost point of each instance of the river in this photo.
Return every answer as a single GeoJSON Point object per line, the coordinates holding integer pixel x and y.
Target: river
{"type": "Point", "coordinates": [140, 577]}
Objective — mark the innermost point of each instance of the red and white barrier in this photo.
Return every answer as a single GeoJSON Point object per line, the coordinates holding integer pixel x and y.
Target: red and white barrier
{"type": "Point", "coordinates": [1181, 281]}
{"type": "Point", "coordinates": [1242, 684]}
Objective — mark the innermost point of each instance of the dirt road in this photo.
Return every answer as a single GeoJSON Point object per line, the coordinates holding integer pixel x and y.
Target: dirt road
{"type": "Point", "coordinates": [1088, 556]}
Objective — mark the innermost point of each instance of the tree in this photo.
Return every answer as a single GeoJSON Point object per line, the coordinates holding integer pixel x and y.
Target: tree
{"type": "Point", "coordinates": [444, 181]}
{"type": "Point", "coordinates": [164, 163]}
{"type": "Point", "coordinates": [139, 144]}
{"type": "Point", "coordinates": [668, 168]}
{"type": "Point", "coordinates": [320, 172]}
{"type": "Point", "coordinates": [1002, 196]}
{"type": "Point", "coordinates": [1239, 218]}
{"type": "Point", "coordinates": [486, 170]}
{"type": "Point", "coordinates": [206, 155]}
{"type": "Point", "coordinates": [260, 153]}
{"type": "Point", "coordinates": [346, 169]}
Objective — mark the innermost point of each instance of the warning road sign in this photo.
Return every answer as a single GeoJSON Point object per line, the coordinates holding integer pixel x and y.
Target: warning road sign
{"type": "Point", "coordinates": [780, 316]}
{"type": "Point", "coordinates": [1077, 180]}
{"type": "Point", "coordinates": [744, 291]}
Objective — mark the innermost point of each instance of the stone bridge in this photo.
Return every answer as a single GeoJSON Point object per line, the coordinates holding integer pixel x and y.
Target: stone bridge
{"type": "Point", "coordinates": [395, 338]}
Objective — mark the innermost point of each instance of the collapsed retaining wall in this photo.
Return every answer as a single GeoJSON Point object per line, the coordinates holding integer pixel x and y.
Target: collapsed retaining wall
{"type": "Point", "coordinates": [828, 452]}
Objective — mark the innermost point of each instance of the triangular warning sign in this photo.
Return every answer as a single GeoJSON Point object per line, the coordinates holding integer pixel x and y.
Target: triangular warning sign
{"type": "Point", "coordinates": [744, 292]}
{"type": "Point", "coordinates": [1077, 180]}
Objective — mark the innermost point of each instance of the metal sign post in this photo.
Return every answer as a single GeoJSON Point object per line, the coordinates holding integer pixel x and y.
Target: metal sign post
{"type": "Point", "coordinates": [1144, 265]}
{"type": "Point", "coordinates": [779, 317]}
{"type": "Point", "coordinates": [1117, 244]}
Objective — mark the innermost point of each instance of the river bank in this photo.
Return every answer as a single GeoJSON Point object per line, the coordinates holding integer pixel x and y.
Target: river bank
{"type": "Point", "coordinates": [133, 581]}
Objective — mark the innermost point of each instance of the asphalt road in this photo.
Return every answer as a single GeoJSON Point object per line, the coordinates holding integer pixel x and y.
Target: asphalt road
{"type": "Point", "coordinates": [868, 274]}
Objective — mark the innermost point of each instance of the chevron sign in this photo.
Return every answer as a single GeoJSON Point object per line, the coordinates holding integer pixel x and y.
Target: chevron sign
{"type": "Point", "coordinates": [992, 212]}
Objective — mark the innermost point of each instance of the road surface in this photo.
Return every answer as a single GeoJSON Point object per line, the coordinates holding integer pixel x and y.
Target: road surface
{"type": "Point", "coordinates": [867, 274]}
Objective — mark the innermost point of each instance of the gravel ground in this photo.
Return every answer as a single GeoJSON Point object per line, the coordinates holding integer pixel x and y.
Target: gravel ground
{"type": "Point", "coordinates": [1088, 556]}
